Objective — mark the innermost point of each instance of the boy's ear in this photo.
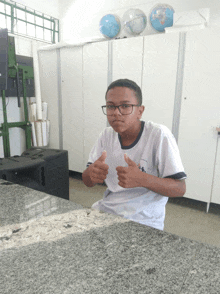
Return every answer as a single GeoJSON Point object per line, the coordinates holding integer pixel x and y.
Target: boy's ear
{"type": "Point", "coordinates": [141, 110]}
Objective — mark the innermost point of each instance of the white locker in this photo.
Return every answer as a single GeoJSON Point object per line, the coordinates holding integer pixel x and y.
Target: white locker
{"type": "Point", "coordinates": [127, 57]}
{"type": "Point", "coordinates": [49, 92]}
{"type": "Point", "coordinates": [152, 62]}
{"type": "Point", "coordinates": [95, 71]}
{"type": "Point", "coordinates": [159, 77]}
{"type": "Point", "coordinates": [215, 198]}
{"type": "Point", "coordinates": [72, 105]}
{"type": "Point", "coordinates": [200, 112]}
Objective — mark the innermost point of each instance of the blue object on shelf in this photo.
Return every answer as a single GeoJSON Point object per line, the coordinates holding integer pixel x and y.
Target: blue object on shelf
{"type": "Point", "coordinates": [161, 17]}
{"type": "Point", "coordinates": [110, 26]}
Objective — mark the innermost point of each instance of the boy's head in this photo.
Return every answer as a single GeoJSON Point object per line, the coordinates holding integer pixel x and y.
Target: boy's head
{"type": "Point", "coordinates": [126, 94]}
{"type": "Point", "coordinates": [127, 84]}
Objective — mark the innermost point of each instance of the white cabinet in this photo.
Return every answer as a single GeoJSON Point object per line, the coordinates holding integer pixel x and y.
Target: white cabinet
{"type": "Point", "coordinates": [48, 69]}
{"type": "Point", "coordinates": [127, 57]}
{"type": "Point", "coordinates": [153, 63]}
{"type": "Point", "coordinates": [159, 77]}
{"type": "Point", "coordinates": [216, 179]}
{"type": "Point", "coordinates": [72, 105]}
{"type": "Point", "coordinates": [200, 112]}
{"type": "Point", "coordinates": [95, 70]}
{"type": "Point", "coordinates": [73, 83]}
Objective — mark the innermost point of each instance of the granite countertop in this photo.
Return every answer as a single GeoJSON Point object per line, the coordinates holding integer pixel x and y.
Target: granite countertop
{"type": "Point", "coordinates": [52, 245]}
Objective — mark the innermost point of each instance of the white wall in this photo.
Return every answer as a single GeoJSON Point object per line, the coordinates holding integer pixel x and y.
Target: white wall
{"type": "Point", "coordinates": [79, 19]}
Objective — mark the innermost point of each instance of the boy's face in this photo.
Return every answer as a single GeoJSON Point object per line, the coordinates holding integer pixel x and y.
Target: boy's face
{"type": "Point", "coordinates": [124, 124]}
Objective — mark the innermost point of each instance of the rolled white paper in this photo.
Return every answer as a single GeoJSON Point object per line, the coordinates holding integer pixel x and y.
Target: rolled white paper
{"type": "Point", "coordinates": [48, 132]}
{"type": "Point", "coordinates": [37, 80]}
{"type": "Point", "coordinates": [34, 139]}
{"type": "Point", "coordinates": [38, 130]}
{"type": "Point", "coordinates": [32, 100]}
{"type": "Point", "coordinates": [44, 110]}
{"type": "Point", "coordinates": [33, 112]}
{"type": "Point", "coordinates": [44, 132]}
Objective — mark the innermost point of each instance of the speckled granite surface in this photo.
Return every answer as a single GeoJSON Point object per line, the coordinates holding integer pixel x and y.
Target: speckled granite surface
{"type": "Point", "coordinates": [51, 245]}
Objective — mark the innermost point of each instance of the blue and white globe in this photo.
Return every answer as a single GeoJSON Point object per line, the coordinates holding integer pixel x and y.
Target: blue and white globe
{"type": "Point", "coordinates": [161, 17]}
{"type": "Point", "coordinates": [134, 21]}
{"type": "Point", "coordinates": [109, 25]}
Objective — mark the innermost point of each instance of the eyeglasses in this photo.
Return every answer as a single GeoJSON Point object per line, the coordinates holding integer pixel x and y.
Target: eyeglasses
{"type": "Point", "coordinates": [124, 109]}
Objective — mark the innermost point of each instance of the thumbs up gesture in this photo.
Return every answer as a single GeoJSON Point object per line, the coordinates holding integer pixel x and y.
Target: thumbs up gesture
{"type": "Point", "coordinates": [99, 169]}
{"type": "Point", "coordinates": [129, 177]}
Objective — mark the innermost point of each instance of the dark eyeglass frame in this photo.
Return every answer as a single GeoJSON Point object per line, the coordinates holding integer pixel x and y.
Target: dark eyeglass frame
{"type": "Point", "coordinates": [118, 106]}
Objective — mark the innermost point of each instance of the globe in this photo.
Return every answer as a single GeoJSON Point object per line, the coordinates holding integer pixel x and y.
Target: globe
{"type": "Point", "coordinates": [161, 17]}
{"type": "Point", "coordinates": [134, 21]}
{"type": "Point", "coordinates": [109, 26]}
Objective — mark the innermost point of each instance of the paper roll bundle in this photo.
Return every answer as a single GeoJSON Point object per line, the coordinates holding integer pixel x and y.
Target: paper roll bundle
{"type": "Point", "coordinates": [40, 133]}
{"type": "Point", "coordinates": [32, 100]}
{"type": "Point", "coordinates": [34, 139]}
{"type": "Point", "coordinates": [44, 132]}
{"type": "Point", "coordinates": [48, 131]}
{"type": "Point", "coordinates": [33, 112]}
{"type": "Point", "coordinates": [38, 130]}
{"type": "Point", "coordinates": [44, 110]}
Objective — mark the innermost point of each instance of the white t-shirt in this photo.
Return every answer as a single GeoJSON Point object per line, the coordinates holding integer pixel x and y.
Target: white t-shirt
{"type": "Point", "coordinates": [155, 149]}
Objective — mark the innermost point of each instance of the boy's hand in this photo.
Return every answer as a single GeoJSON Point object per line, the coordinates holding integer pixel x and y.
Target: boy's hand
{"type": "Point", "coordinates": [129, 176]}
{"type": "Point", "coordinates": [99, 169]}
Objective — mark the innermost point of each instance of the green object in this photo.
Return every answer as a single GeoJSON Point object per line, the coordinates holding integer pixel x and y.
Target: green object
{"type": "Point", "coordinates": [16, 71]}
{"type": "Point", "coordinates": [4, 128]}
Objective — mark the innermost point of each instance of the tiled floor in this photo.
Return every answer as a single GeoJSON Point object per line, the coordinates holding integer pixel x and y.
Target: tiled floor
{"type": "Point", "coordinates": [184, 217]}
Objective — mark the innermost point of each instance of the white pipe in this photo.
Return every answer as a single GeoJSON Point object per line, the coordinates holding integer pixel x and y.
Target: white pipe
{"type": "Point", "coordinates": [37, 80]}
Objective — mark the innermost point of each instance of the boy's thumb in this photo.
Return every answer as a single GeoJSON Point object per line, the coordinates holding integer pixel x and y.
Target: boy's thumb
{"type": "Point", "coordinates": [102, 158]}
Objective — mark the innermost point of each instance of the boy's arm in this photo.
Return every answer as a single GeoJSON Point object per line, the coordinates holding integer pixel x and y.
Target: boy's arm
{"type": "Point", "coordinates": [131, 177]}
{"type": "Point", "coordinates": [163, 186]}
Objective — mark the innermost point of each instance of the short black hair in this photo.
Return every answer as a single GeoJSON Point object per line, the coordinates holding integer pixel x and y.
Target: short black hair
{"type": "Point", "coordinates": [127, 84]}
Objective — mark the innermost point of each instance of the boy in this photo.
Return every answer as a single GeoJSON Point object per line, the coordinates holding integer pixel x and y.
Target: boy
{"type": "Point", "coordinates": [139, 161]}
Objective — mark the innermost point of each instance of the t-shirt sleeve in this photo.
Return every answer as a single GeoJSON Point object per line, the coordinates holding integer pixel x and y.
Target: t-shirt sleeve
{"type": "Point", "coordinates": [168, 158]}
{"type": "Point", "coordinates": [96, 150]}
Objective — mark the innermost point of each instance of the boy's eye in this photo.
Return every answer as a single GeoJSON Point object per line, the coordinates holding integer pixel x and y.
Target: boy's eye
{"type": "Point", "coordinates": [125, 105]}
{"type": "Point", "coordinates": [110, 106]}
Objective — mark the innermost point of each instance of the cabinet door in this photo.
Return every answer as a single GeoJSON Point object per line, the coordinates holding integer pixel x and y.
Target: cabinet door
{"type": "Point", "coordinates": [95, 73]}
{"type": "Point", "coordinates": [215, 198]}
{"type": "Point", "coordinates": [200, 112]}
{"type": "Point", "coordinates": [159, 77]}
{"type": "Point", "coordinates": [49, 92]}
{"type": "Point", "coordinates": [127, 59]}
{"type": "Point", "coordinates": [72, 105]}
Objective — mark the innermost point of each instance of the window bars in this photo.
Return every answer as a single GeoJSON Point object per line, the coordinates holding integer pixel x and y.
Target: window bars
{"type": "Point", "coordinates": [24, 21]}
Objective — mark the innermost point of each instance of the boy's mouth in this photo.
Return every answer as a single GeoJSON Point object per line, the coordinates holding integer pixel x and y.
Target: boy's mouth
{"type": "Point", "coordinates": [117, 120]}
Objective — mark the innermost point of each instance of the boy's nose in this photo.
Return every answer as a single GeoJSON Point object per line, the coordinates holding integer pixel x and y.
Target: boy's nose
{"type": "Point", "coordinates": [117, 111]}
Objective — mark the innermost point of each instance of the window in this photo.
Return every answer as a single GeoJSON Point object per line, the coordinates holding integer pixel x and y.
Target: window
{"type": "Point", "coordinates": [22, 20]}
